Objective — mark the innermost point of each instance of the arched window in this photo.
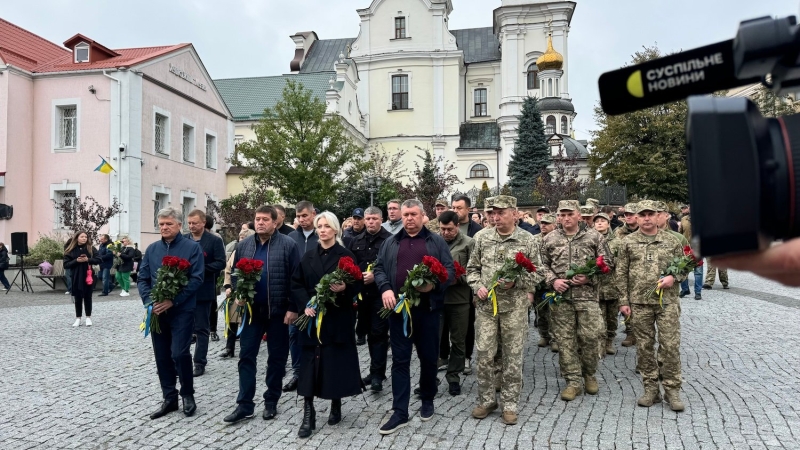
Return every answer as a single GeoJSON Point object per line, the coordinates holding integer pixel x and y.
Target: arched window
{"type": "Point", "coordinates": [550, 127]}
{"type": "Point", "coordinates": [479, 171]}
{"type": "Point", "coordinates": [564, 125]}
{"type": "Point", "coordinates": [533, 77]}
{"type": "Point", "coordinates": [550, 87]}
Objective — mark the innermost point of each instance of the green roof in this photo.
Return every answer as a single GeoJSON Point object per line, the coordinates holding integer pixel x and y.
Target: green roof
{"type": "Point", "coordinates": [247, 98]}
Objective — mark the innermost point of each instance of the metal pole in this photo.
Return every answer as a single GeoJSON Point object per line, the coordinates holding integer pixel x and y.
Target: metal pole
{"type": "Point", "coordinates": [371, 201]}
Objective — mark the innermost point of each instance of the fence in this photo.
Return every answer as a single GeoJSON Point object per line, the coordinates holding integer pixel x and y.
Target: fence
{"type": "Point", "coordinates": [610, 194]}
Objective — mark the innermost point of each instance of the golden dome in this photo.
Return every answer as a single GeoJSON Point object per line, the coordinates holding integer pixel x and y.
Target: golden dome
{"type": "Point", "coordinates": [551, 60]}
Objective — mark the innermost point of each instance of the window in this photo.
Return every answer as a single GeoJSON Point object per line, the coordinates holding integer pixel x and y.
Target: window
{"type": "Point", "coordinates": [399, 27]}
{"type": "Point", "coordinates": [399, 91]}
{"type": "Point", "coordinates": [67, 126]}
{"type": "Point", "coordinates": [59, 198]}
{"type": "Point", "coordinates": [533, 77]}
{"type": "Point", "coordinates": [480, 103]}
{"type": "Point", "coordinates": [161, 135]}
{"type": "Point", "coordinates": [186, 207]}
{"type": "Point", "coordinates": [550, 127]}
{"type": "Point", "coordinates": [161, 202]}
{"type": "Point", "coordinates": [550, 87]}
{"type": "Point", "coordinates": [564, 125]}
{"type": "Point", "coordinates": [188, 141]}
{"type": "Point", "coordinates": [82, 52]}
{"type": "Point", "coordinates": [557, 94]}
{"type": "Point", "coordinates": [479, 171]}
{"type": "Point", "coordinates": [211, 151]}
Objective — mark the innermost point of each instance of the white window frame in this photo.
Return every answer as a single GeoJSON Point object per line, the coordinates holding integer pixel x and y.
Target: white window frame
{"type": "Point", "coordinates": [160, 190]}
{"type": "Point", "coordinates": [55, 190]}
{"type": "Point", "coordinates": [82, 45]}
{"type": "Point", "coordinates": [488, 103]}
{"type": "Point", "coordinates": [167, 132]}
{"type": "Point", "coordinates": [212, 163]}
{"type": "Point", "coordinates": [184, 210]}
{"type": "Point", "coordinates": [410, 89]}
{"type": "Point", "coordinates": [482, 163]}
{"type": "Point", "coordinates": [192, 142]}
{"type": "Point", "coordinates": [55, 142]}
{"type": "Point", "coordinates": [563, 121]}
{"type": "Point", "coordinates": [555, 124]}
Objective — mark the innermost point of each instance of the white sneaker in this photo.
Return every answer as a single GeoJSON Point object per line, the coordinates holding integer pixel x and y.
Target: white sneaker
{"type": "Point", "coordinates": [124, 294]}
{"type": "Point", "coordinates": [66, 293]}
{"type": "Point", "coordinates": [88, 321]}
{"type": "Point", "coordinates": [77, 322]}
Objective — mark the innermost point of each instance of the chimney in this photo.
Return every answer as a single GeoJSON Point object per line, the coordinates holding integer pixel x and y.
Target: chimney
{"type": "Point", "coordinates": [302, 41]}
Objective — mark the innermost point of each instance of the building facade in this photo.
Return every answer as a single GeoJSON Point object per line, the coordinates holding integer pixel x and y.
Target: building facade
{"type": "Point", "coordinates": [152, 113]}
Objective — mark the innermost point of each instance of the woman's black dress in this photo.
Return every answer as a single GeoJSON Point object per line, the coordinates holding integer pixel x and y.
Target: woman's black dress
{"type": "Point", "coordinates": [329, 369]}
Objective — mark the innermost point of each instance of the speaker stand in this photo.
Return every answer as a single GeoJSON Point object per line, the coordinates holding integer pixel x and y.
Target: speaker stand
{"type": "Point", "coordinates": [25, 282]}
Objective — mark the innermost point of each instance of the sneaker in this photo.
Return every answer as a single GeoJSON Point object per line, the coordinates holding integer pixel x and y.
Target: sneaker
{"type": "Point", "coordinates": [442, 364]}
{"type": "Point", "coordinates": [467, 366]}
{"type": "Point", "coordinates": [394, 424]}
{"type": "Point", "coordinates": [88, 321]}
{"type": "Point", "coordinates": [124, 294]}
{"type": "Point", "coordinates": [698, 297]}
{"type": "Point", "coordinates": [426, 411]}
{"type": "Point", "coordinates": [66, 293]}
{"type": "Point", "coordinates": [77, 322]}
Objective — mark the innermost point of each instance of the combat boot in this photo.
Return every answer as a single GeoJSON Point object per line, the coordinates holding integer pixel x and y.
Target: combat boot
{"type": "Point", "coordinates": [554, 346]}
{"type": "Point", "coordinates": [543, 342]}
{"type": "Point", "coordinates": [673, 397]}
{"type": "Point", "coordinates": [651, 396]}
{"type": "Point", "coordinates": [630, 340]}
{"type": "Point", "coordinates": [570, 392]}
{"type": "Point", "coordinates": [610, 349]}
{"type": "Point", "coordinates": [590, 384]}
{"type": "Point", "coordinates": [481, 412]}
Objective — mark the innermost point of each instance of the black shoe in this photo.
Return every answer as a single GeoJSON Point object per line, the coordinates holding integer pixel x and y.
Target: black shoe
{"type": "Point", "coordinates": [698, 297]}
{"type": "Point", "coordinates": [361, 340]}
{"type": "Point", "coordinates": [367, 380]}
{"type": "Point", "coordinates": [189, 406]}
{"type": "Point", "coordinates": [194, 339]}
{"type": "Point", "coordinates": [336, 412]}
{"type": "Point", "coordinates": [270, 411]}
{"type": "Point", "coordinates": [708, 286]}
{"type": "Point", "coordinates": [725, 287]}
{"type": "Point", "coordinates": [309, 419]}
{"type": "Point", "coordinates": [291, 385]}
{"type": "Point", "coordinates": [683, 294]}
{"type": "Point", "coordinates": [376, 385]}
{"type": "Point", "coordinates": [198, 370]}
{"type": "Point", "coordinates": [394, 424]}
{"type": "Point", "coordinates": [103, 295]}
{"type": "Point", "coordinates": [426, 410]}
{"type": "Point", "coordinates": [214, 337]}
{"type": "Point", "coordinates": [167, 407]}
{"type": "Point", "coordinates": [228, 353]}
{"type": "Point", "coordinates": [237, 415]}
{"type": "Point", "coordinates": [455, 388]}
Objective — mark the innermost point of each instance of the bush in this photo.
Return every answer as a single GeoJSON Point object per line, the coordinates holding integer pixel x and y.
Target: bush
{"type": "Point", "coordinates": [49, 247]}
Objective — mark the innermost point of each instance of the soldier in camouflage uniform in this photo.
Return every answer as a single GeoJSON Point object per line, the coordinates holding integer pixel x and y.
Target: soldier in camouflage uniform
{"type": "Point", "coordinates": [547, 223]}
{"type": "Point", "coordinates": [609, 295]}
{"type": "Point", "coordinates": [594, 203]}
{"type": "Point", "coordinates": [642, 257]}
{"type": "Point", "coordinates": [433, 224]}
{"type": "Point", "coordinates": [587, 214]}
{"type": "Point", "coordinates": [492, 247]}
{"type": "Point", "coordinates": [576, 320]}
{"type": "Point", "coordinates": [631, 226]}
{"type": "Point", "coordinates": [663, 223]}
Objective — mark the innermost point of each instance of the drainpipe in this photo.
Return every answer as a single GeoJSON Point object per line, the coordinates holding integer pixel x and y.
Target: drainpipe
{"type": "Point", "coordinates": [119, 176]}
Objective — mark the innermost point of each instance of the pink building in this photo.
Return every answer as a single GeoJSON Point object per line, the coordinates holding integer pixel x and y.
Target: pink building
{"type": "Point", "coordinates": [153, 113]}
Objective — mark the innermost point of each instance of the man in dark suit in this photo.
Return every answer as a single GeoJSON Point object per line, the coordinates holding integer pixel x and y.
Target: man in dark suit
{"type": "Point", "coordinates": [280, 224]}
{"type": "Point", "coordinates": [214, 262]}
{"type": "Point", "coordinates": [461, 205]}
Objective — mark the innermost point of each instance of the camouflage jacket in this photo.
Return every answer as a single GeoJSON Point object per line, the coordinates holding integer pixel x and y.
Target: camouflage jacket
{"type": "Point", "coordinates": [560, 251]}
{"type": "Point", "coordinates": [488, 256]}
{"type": "Point", "coordinates": [640, 263]}
{"type": "Point", "coordinates": [433, 225]}
{"type": "Point", "coordinates": [686, 227]}
{"type": "Point", "coordinates": [537, 242]}
{"type": "Point", "coordinates": [608, 285]}
{"type": "Point", "coordinates": [623, 231]}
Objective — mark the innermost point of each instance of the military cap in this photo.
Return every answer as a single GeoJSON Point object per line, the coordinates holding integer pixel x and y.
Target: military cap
{"type": "Point", "coordinates": [603, 216]}
{"type": "Point", "coordinates": [487, 203]}
{"type": "Point", "coordinates": [661, 206]}
{"type": "Point", "coordinates": [646, 205]}
{"type": "Point", "coordinates": [504, 201]}
{"type": "Point", "coordinates": [593, 202]}
{"type": "Point", "coordinates": [587, 210]}
{"type": "Point", "coordinates": [568, 205]}
{"type": "Point", "coordinates": [442, 202]}
{"type": "Point", "coordinates": [630, 207]}
{"type": "Point", "coordinates": [548, 218]}
{"type": "Point", "coordinates": [544, 209]}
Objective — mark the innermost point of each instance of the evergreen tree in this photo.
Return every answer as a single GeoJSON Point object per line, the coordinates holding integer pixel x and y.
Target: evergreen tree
{"type": "Point", "coordinates": [483, 195]}
{"type": "Point", "coordinates": [531, 153]}
{"type": "Point", "coordinates": [772, 105]}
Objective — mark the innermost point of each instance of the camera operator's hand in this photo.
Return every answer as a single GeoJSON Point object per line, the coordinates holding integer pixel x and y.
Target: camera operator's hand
{"type": "Point", "coordinates": [780, 263]}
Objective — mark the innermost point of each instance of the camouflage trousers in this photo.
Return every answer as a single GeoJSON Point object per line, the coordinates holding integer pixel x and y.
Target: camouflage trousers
{"type": "Point", "coordinates": [510, 328]}
{"type": "Point", "coordinates": [666, 362]}
{"type": "Point", "coordinates": [610, 310]}
{"type": "Point", "coordinates": [577, 327]}
{"type": "Point", "coordinates": [711, 274]}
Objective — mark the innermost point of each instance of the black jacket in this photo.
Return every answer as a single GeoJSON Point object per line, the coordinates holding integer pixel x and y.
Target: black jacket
{"type": "Point", "coordinates": [214, 259]}
{"type": "Point", "coordinates": [106, 257]}
{"type": "Point", "coordinates": [126, 255]}
{"type": "Point", "coordinates": [532, 229]}
{"type": "Point", "coordinates": [304, 244]}
{"type": "Point", "coordinates": [339, 321]}
{"type": "Point", "coordinates": [366, 247]}
{"type": "Point", "coordinates": [473, 228]}
{"type": "Point", "coordinates": [79, 270]}
{"type": "Point", "coordinates": [4, 258]}
{"type": "Point", "coordinates": [285, 229]}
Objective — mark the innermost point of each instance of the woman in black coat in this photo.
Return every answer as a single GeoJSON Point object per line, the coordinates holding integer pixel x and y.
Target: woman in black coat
{"type": "Point", "coordinates": [79, 258]}
{"type": "Point", "coordinates": [4, 266]}
{"type": "Point", "coordinates": [328, 366]}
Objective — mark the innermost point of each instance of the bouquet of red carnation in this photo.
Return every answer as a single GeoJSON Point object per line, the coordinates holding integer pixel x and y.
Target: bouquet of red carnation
{"type": "Point", "coordinates": [426, 272]}
{"type": "Point", "coordinates": [171, 277]}
{"type": "Point", "coordinates": [592, 267]}
{"type": "Point", "coordinates": [680, 265]}
{"type": "Point", "coordinates": [460, 270]}
{"type": "Point", "coordinates": [248, 273]}
{"type": "Point", "coordinates": [509, 271]}
{"type": "Point", "coordinates": [346, 272]}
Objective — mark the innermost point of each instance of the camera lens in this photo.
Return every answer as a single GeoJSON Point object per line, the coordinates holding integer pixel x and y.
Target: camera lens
{"type": "Point", "coordinates": [780, 170]}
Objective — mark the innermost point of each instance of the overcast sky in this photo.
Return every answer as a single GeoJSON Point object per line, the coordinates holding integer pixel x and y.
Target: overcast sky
{"type": "Point", "coordinates": [240, 38]}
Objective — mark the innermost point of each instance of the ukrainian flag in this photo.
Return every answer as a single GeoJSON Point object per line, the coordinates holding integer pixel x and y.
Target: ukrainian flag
{"type": "Point", "coordinates": [104, 167]}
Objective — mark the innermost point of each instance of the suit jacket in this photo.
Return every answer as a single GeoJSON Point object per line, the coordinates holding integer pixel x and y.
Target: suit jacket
{"type": "Point", "coordinates": [214, 260]}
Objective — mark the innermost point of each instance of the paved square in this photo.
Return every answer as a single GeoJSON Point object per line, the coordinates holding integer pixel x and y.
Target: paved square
{"type": "Point", "coordinates": [86, 388]}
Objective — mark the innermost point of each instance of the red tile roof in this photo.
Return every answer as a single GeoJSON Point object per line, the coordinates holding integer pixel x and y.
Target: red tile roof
{"type": "Point", "coordinates": [30, 52]}
{"type": "Point", "coordinates": [26, 50]}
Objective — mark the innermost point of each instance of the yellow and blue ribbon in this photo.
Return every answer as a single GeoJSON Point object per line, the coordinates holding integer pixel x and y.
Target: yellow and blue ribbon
{"type": "Point", "coordinates": [493, 297]}
{"type": "Point", "coordinates": [402, 307]}
{"type": "Point", "coordinates": [148, 317]}
{"type": "Point", "coordinates": [317, 322]}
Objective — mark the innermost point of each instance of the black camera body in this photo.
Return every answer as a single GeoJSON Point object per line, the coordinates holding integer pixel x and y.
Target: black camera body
{"type": "Point", "coordinates": [744, 169]}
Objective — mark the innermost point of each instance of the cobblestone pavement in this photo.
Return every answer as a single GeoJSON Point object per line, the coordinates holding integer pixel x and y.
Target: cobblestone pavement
{"type": "Point", "coordinates": [95, 387]}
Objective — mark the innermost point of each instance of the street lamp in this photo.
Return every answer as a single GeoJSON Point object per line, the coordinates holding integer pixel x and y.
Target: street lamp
{"type": "Point", "coordinates": [373, 185]}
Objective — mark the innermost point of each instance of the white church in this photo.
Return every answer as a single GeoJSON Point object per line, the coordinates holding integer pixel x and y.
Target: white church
{"type": "Point", "coordinates": [408, 81]}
